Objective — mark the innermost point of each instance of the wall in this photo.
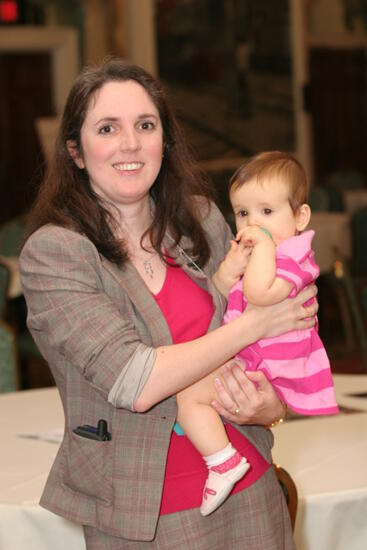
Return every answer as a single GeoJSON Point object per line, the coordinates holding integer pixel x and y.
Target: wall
{"type": "Point", "coordinates": [330, 17]}
{"type": "Point", "coordinates": [326, 16]}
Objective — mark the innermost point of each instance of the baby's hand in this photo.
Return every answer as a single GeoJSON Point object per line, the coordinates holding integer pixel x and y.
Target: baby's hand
{"type": "Point", "coordinates": [237, 258]}
{"type": "Point", "coordinates": [253, 235]}
{"type": "Point", "coordinates": [232, 268]}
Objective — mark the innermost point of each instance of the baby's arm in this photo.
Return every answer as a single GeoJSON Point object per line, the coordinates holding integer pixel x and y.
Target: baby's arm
{"type": "Point", "coordinates": [261, 286]}
{"type": "Point", "coordinates": [232, 267]}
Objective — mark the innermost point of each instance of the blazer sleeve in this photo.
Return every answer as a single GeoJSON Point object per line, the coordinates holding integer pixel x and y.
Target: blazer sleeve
{"type": "Point", "coordinates": [71, 315]}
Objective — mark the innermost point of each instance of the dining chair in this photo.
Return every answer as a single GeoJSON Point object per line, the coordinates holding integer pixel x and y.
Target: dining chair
{"type": "Point", "coordinates": [364, 301]}
{"type": "Point", "coordinates": [339, 181]}
{"type": "Point", "coordinates": [354, 295]}
{"type": "Point", "coordinates": [359, 239]}
{"type": "Point", "coordinates": [318, 198]}
{"type": "Point", "coordinates": [289, 490]}
{"type": "Point", "coordinates": [9, 364]}
{"type": "Point", "coordinates": [11, 236]}
{"type": "Point", "coordinates": [349, 279]}
{"type": "Point", "coordinates": [346, 179]}
{"type": "Point", "coordinates": [358, 272]}
{"type": "Point", "coordinates": [4, 286]}
{"type": "Point", "coordinates": [9, 367]}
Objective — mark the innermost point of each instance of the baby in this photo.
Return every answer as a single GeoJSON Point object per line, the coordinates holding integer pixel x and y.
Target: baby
{"type": "Point", "coordinates": [269, 199]}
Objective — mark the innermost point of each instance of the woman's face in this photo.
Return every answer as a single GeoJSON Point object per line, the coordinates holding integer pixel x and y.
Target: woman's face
{"type": "Point", "coordinates": [121, 143]}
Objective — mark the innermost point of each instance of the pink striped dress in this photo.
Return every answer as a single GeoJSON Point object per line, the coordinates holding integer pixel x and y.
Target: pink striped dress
{"type": "Point", "coordinates": [296, 362]}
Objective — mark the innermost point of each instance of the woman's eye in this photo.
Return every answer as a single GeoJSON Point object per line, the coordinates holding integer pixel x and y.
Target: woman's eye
{"type": "Point", "coordinates": [267, 211]}
{"type": "Point", "coordinates": [108, 129]}
{"type": "Point", "coordinates": [147, 125]}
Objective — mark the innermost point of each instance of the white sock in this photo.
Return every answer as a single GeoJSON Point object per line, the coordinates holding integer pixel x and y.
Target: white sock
{"type": "Point", "coordinates": [220, 456]}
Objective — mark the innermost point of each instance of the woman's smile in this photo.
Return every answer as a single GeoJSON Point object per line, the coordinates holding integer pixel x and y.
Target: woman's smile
{"type": "Point", "coordinates": [128, 166]}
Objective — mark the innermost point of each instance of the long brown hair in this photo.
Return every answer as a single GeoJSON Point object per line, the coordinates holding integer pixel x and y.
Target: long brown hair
{"type": "Point", "coordinates": [67, 199]}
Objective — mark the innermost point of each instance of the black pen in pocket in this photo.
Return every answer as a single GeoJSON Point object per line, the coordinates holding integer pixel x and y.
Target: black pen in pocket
{"type": "Point", "coordinates": [99, 433]}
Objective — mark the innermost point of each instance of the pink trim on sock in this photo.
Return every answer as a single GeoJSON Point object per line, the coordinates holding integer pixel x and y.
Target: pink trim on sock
{"type": "Point", "coordinates": [228, 464]}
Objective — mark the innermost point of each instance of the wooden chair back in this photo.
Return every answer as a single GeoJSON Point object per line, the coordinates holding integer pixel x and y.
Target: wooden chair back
{"type": "Point", "coordinates": [9, 367]}
{"type": "Point", "coordinates": [290, 491]}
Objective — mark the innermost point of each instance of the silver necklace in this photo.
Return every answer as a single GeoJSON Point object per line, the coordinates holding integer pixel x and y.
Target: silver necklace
{"type": "Point", "coordinates": [147, 264]}
{"type": "Point", "coordinates": [148, 268]}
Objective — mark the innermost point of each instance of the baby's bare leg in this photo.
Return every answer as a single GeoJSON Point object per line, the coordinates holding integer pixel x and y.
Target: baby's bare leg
{"type": "Point", "coordinates": [200, 422]}
{"type": "Point", "coordinates": [204, 428]}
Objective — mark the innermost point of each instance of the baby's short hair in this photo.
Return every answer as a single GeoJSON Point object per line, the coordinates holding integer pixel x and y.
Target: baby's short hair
{"type": "Point", "coordinates": [274, 163]}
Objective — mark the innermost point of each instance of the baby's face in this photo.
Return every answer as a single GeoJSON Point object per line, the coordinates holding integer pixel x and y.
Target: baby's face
{"type": "Point", "coordinates": [265, 204]}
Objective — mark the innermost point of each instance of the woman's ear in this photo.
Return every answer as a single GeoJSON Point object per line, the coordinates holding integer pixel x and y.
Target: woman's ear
{"type": "Point", "coordinates": [74, 153]}
{"type": "Point", "coordinates": [303, 216]}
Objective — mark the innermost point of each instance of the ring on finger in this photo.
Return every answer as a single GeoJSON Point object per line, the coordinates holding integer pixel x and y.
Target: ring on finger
{"type": "Point", "coordinates": [237, 410]}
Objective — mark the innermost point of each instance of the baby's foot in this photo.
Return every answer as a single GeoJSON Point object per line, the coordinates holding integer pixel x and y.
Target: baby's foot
{"type": "Point", "coordinates": [220, 482]}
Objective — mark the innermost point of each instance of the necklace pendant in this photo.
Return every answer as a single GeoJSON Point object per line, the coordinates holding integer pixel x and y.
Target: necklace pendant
{"type": "Point", "coordinates": [148, 268]}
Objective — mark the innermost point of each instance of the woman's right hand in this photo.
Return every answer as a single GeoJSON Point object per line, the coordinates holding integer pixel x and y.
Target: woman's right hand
{"type": "Point", "coordinates": [290, 314]}
{"type": "Point", "coordinates": [246, 397]}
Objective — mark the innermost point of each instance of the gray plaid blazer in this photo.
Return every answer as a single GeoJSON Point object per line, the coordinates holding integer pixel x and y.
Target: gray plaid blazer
{"type": "Point", "coordinates": [88, 318]}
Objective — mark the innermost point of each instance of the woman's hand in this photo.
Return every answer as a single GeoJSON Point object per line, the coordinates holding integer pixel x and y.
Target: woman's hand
{"type": "Point", "coordinates": [246, 398]}
{"type": "Point", "coordinates": [296, 313]}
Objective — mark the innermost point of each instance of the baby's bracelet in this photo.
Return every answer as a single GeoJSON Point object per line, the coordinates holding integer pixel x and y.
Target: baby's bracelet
{"type": "Point", "coordinates": [279, 420]}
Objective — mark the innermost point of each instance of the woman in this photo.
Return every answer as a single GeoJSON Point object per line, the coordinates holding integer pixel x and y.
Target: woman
{"type": "Point", "coordinates": [121, 205]}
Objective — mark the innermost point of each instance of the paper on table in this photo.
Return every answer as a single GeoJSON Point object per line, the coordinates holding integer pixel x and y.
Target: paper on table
{"type": "Point", "coordinates": [54, 435]}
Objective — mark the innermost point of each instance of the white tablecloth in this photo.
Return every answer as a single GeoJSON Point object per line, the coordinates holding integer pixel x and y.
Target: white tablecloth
{"type": "Point", "coordinates": [332, 238]}
{"type": "Point", "coordinates": [326, 457]}
{"type": "Point", "coordinates": [24, 467]}
{"type": "Point", "coordinates": [327, 460]}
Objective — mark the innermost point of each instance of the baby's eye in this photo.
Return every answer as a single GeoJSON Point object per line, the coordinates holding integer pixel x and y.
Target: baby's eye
{"type": "Point", "coordinates": [242, 213]}
{"type": "Point", "coordinates": [147, 125]}
{"type": "Point", "coordinates": [267, 211]}
{"type": "Point", "coordinates": [107, 129]}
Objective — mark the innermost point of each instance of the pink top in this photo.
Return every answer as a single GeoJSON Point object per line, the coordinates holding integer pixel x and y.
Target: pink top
{"type": "Point", "coordinates": [295, 362]}
{"type": "Point", "coordinates": [188, 310]}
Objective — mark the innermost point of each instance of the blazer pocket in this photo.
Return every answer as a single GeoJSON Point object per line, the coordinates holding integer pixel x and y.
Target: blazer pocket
{"type": "Point", "coordinates": [88, 467]}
